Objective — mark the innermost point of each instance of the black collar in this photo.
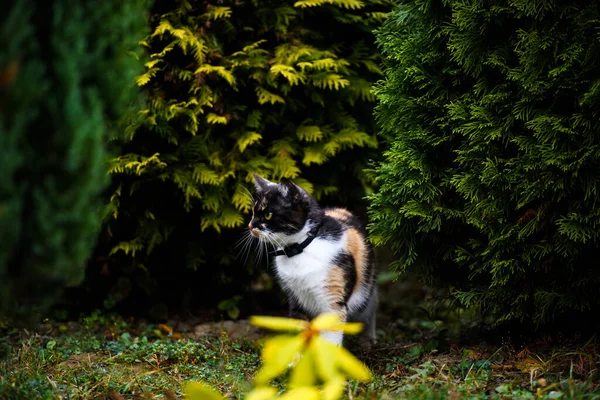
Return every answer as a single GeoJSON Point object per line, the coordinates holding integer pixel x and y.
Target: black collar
{"type": "Point", "coordinates": [294, 249]}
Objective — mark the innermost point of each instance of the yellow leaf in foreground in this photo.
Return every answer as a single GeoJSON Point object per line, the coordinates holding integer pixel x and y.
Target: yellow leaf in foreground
{"type": "Point", "coordinates": [277, 355]}
{"type": "Point", "coordinates": [261, 393]}
{"type": "Point", "coordinates": [304, 393]}
{"type": "Point", "coordinates": [271, 348]}
{"type": "Point", "coordinates": [201, 391]}
{"type": "Point", "coordinates": [303, 374]}
{"type": "Point", "coordinates": [352, 366]}
{"type": "Point", "coordinates": [279, 323]}
{"type": "Point", "coordinates": [333, 389]}
{"type": "Point", "coordinates": [325, 357]}
{"type": "Point", "coordinates": [332, 322]}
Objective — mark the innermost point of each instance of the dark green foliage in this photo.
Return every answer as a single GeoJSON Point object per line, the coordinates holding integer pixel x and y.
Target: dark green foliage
{"type": "Point", "coordinates": [282, 89]}
{"type": "Point", "coordinates": [490, 183]}
{"type": "Point", "coordinates": [65, 75]}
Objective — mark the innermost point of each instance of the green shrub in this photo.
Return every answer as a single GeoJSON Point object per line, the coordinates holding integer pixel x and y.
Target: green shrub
{"type": "Point", "coordinates": [277, 88]}
{"type": "Point", "coordinates": [64, 76]}
{"type": "Point", "coordinates": [490, 182]}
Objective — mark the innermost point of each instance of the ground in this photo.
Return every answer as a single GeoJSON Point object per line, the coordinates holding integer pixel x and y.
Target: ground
{"type": "Point", "coordinates": [107, 357]}
{"type": "Point", "coordinates": [421, 354]}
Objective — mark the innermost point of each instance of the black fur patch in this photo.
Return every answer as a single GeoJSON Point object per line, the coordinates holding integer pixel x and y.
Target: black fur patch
{"type": "Point", "coordinates": [290, 207]}
{"type": "Point", "coordinates": [346, 262]}
{"type": "Point", "coordinates": [288, 215]}
{"type": "Point", "coordinates": [330, 228]}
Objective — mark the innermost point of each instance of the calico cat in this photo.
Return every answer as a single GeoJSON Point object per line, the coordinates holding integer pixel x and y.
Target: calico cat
{"type": "Point", "coordinates": [322, 258]}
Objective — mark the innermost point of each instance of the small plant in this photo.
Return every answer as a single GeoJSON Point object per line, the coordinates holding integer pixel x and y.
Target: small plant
{"type": "Point", "coordinates": [319, 369]}
{"type": "Point", "coordinates": [230, 306]}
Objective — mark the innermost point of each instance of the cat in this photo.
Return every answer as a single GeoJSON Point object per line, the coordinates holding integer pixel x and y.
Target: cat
{"type": "Point", "coordinates": [322, 259]}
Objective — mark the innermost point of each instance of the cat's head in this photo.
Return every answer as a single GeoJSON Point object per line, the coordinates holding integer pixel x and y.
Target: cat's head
{"type": "Point", "coordinates": [279, 208]}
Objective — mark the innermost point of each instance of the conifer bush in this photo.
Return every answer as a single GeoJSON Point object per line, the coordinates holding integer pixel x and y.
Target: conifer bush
{"type": "Point", "coordinates": [491, 178]}
{"type": "Point", "coordinates": [65, 77]}
{"type": "Point", "coordinates": [278, 88]}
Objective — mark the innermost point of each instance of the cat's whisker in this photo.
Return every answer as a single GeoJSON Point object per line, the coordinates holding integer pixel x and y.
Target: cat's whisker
{"type": "Point", "coordinates": [251, 243]}
{"type": "Point", "coordinates": [268, 236]}
{"type": "Point", "coordinates": [267, 251]}
{"type": "Point", "coordinates": [263, 247]}
{"type": "Point", "coordinates": [247, 192]}
{"type": "Point", "coordinates": [243, 239]}
{"type": "Point", "coordinates": [267, 243]}
{"type": "Point", "coordinates": [277, 242]}
{"type": "Point", "coordinates": [273, 242]}
{"type": "Point", "coordinates": [290, 226]}
{"type": "Point", "coordinates": [246, 246]}
{"type": "Point", "coordinates": [259, 252]}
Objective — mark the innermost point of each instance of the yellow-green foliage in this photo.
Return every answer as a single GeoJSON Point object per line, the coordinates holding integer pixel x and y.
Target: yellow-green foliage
{"type": "Point", "coordinates": [319, 369]}
{"type": "Point", "coordinates": [277, 88]}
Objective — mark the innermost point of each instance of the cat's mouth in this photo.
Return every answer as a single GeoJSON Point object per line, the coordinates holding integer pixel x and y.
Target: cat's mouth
{"type": "Point", "coordinates": [256, 232]}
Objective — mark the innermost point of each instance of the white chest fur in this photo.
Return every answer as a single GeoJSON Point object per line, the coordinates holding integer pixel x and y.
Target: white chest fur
{"type": "Point", "coordinates": [305, 276]}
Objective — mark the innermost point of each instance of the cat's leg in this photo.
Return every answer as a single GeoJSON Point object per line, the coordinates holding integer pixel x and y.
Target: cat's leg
{"type": "Point", "coordinates": [338, 287]}
{"type": "Point", "coordinates": [295, 310]}
{"type": "Point", "coordinates": [366, 314]}
{"type": "Point", "coordinates": [370, 314]}
{"type": "Point", "coordinates": [336, 337]}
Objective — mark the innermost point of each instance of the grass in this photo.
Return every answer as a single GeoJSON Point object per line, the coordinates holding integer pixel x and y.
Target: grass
{"type": "Point", "coordinates": [114, 362]}
{"type": "Point", "coordinates": [104, 357]}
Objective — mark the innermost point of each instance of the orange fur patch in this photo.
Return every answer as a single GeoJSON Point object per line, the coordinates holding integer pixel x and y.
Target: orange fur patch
{"type": "Point", "coordinates": [341, 214]}
{"type": "Point", "coordinates": [335, 285]}
{"type": "Point", "coordinates": [356, 245]}
{"type": "Point", "coordinates": [358, 249]}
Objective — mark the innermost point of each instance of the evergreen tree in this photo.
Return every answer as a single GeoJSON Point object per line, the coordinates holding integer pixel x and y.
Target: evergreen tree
{"type": "Point", "coordinates": [65, 75]}
{"type": "Point", "coordinates": [278, 88]}
{"type": "Point", "coordinates": [489, 186]}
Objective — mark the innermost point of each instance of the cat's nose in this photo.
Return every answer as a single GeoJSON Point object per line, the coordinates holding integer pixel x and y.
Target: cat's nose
{"type": "Point", "coordinates": [250, 226]}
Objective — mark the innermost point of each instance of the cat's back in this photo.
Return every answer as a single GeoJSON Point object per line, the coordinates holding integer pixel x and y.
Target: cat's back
{"type": "Point", "coordinates": [357, 247]}
{"type": "Point", "coordinates": [345, 218]}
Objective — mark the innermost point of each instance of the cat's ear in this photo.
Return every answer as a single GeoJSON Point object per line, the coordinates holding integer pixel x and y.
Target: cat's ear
{"type": "Point", "coordinates": [290, 189]}
{"type": "Point", "coordinates": [261, 183]}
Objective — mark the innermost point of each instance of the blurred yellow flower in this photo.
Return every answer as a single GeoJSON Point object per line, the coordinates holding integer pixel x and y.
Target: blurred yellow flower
{"type": "Point", "coordinates": [324, 322]}
{"type": "Point", "coordinates": [303, 393]}
{"type": "Point", "coordinates": [277, 355]}
{"type": "Point", "coordinates": [262, 393]}
{"type": "Point", "coordinates": [280, 324]}
{"type": "Point", "coordinates": [320, 359]}
{"type": "Point", "coordinates": [331, 322]}
{"type": "Point", "coordinates": [316, 361]}
{"type": "Point", "coordinates": [333, 389]}
{"type": "Point", "coordinates": [201, 391]}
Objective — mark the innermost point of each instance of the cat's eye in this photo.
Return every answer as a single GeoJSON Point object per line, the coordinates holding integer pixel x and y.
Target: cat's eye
{"type": "Point", "coordinates": [268, 215]}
